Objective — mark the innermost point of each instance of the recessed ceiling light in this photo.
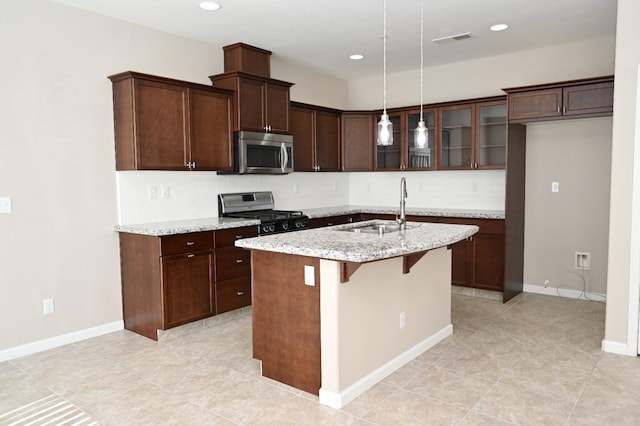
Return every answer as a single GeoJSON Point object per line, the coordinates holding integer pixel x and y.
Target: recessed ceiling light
{"type": "Point", "coordinates": [209, 5]}
{"type": "Point", "coordinates": [356, 57]}
{"type": "Point", "coordinates": [499, 27]}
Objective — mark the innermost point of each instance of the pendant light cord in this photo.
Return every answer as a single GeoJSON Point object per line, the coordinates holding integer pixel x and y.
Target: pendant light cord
{"type": "Point", "coordinates": [384, 57]}
{"type": "Point", "coordinates": [421, 52]}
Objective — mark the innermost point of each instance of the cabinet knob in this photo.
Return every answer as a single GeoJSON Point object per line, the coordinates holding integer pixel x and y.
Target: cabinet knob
{"type": "Point", "coordinates": [239, 260]}
{"type": "Point", "coordinates": [240, 293]}
{"type": "Point", "coordinates": [191, 255]}
{"type": "Point", "coordinates": [190, 243]}
{"type": "Point", "coordinates": [238, 237]}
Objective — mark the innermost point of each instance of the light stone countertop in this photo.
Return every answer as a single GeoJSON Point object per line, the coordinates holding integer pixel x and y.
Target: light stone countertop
{"type": "Point", "coordinates": [335, 244]}
{"type": "Point", "coordinates": [186, 226]}
{"type": "Point", "coordinates": [416, 211]}
{"type": "Point", "coordinates": [214, 223]}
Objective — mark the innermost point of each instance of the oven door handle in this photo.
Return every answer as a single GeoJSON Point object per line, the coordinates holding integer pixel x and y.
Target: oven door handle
{"type": "Point", "coordinates": [284, 157]}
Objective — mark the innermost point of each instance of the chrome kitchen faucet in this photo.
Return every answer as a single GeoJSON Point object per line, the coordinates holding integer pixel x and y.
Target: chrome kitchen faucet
{"type": "Point", "coordinates": [402, 218]}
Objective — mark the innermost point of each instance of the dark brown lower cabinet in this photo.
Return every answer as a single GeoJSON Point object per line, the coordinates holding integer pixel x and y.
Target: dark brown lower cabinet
{"type": "Point", "coordinates": [479, 261]}
{"type": "Point", "coordinates": [175, 279]}
{"type": "Point", "coordinates": [187, 288]}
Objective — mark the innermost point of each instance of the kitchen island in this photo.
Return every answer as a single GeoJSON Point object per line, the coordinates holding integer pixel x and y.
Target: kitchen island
{"type": "Point", "coordinates": [335, 311]}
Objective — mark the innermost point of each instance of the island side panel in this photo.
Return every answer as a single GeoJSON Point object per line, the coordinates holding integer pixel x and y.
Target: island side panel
{"type": "Point", "coordinates": [286, 319]}
{"type": "Point", "coordinates": [362, 340]}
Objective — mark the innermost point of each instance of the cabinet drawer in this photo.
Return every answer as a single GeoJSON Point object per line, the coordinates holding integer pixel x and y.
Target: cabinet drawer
{"type": "Point", "coordinates": [227, 237]}
{"type": "Point", "coordinates": [186, 243]}
{"type": "Point", "coordinates": [232, 262]}
{"type": "Point", "coordinates": [487, 226]}
{"type": "Point", "coordinates": [233, 294]}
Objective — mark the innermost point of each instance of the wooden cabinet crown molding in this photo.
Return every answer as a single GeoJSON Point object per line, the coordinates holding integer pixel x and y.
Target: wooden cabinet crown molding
{"type": "Point", "coordinates": [148, 77]}
{"type": "Point", "coordinates": [560, 84]}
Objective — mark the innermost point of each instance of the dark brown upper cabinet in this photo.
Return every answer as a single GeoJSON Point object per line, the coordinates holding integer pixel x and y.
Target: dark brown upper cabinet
{"type": "Point", "coordinates": [165, 124]}
{"type": "Point", "coordinates": [358, 129]}
{"type": "Point", "coordinates": [260, 104]}
{"type": "Point", "coordinates": [570, 99]}
{"type": "Point", "coordinates": [316, 138]}
{"type": "Point", "coordinates": [473, 135]}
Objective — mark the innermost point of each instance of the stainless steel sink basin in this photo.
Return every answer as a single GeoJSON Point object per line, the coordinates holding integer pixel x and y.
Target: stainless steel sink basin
{"type": "Point", "coordinates": [379, 227]}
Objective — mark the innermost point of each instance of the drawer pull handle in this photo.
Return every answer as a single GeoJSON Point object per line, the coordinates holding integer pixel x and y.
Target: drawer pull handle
{"type": "Point", "coordinates": [240, 293]}
{"type": "Point", "coordinates": [239, 260]}
{"type": "Point", "coordinates": [190, 243]}
{"type": "Point", "coordinates": [238, 237]}
{"type": "Point", "coordinates": [191, 255]}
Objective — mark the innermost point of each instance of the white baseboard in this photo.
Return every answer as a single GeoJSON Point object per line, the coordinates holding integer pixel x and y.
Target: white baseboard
{"type": "Point", "coordinates": [55, 342]}
{"type": "Point", "coordinates": [564, 292]}
{"type": "Point", "coordinates": [339, 400]}
{"type": "Point", "coordinates": [616, 348]}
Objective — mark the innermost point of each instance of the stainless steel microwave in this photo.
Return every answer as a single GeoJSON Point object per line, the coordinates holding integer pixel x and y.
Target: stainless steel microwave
{"type": "Point", "coordinates": [262, 153]}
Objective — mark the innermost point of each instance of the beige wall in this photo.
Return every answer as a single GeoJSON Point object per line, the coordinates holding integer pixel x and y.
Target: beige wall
{"type": "Point", "coordinates": [623, 268]}
{"type": "Point", "coordinates": [57, 157]}
{"type": "Point", "coordinates": [487, 76]}
{"type": "Point", "coordinates": [577, 154]}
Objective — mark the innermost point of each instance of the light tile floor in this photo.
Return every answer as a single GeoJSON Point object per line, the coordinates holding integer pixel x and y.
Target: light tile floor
{"type": "Point", "coordinates": [533, 361]}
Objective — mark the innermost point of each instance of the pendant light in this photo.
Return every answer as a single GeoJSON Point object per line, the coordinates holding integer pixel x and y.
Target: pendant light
{"type": "Point", "coordinates": [421, 133]}
{"type": "Point", "coordinates": [385, 126]}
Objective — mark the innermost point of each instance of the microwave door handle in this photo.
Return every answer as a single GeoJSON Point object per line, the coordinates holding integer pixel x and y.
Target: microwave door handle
{"type": "Point", "coordinates": [284, 157]}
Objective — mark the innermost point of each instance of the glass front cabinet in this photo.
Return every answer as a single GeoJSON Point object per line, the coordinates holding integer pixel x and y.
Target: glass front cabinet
{"type": "Point", "coordinates": [406, 153]}
{"type": "Point", "coordinates": [473, 136]}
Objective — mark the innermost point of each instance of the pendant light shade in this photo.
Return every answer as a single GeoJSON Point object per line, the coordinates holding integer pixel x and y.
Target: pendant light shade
{"type": "Point", "coordinates": [421, 133]}
{"type": "Point", "coordinates": [385, 126]}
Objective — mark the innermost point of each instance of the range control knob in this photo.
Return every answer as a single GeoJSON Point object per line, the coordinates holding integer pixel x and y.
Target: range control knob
{"type": "Point", "coordinates": [265, 228]}
{"type": "Point", "coordinates": [285, 225]}
{"type": "Point", "coordinates": [272, 227]}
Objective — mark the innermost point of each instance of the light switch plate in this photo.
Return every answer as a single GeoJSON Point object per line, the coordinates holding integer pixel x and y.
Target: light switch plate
{"type": "Point", "coordinates": [555, 186]}
{"type": "Point", "coordinates": [309, 275]}
{"type": "Point", "coordinates": [5, 204]}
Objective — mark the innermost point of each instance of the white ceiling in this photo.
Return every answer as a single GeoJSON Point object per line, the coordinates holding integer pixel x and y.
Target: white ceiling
{"type": "Point", "coordinates": [320, 35]}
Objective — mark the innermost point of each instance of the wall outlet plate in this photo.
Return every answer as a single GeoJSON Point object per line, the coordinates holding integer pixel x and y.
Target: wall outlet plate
{"type": "Point", "coordinates": [5, 204]}
{"type": "Point", "coordinates": [309, 275]}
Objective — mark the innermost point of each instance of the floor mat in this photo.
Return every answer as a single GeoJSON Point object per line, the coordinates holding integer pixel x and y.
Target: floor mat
{"type": "Point", "coordinates": [52, 410]}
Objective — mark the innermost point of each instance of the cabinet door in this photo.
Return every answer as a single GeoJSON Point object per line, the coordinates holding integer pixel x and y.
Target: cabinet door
{"type": "Point", "coordinates": [488, 261]}
{"type": "Point", "coordinates": [457, 136]}
{"type": "Point", "coordinates": [251, 100]}
{"type": "Point", "coordinates": [357, 142]}
{"type": "Point", "coordinates": [491, 141]}
{"type": "Point", "coordinates": [461, 256]}
{"type": "Point", "coordinates": [186, 288]}
{"type": "Point", "coordinates": [535, 104]}
{"type": "Point", "coordinates": [390, 157]}
{"type": "Point", "coordinates": [421, 157]}
{"type": "Point", "coordinates": [277, 108]}
{"type": "Point", "coordinates": [302, 131]}
{"type": "Point", "coordinates": [161, 125]}
{"type": "Point", "coordinates": [210, 139]}
{"type": "Point", "coordinates": [327, 141]}
{"type": "Point", "coordinates": [588, 99]}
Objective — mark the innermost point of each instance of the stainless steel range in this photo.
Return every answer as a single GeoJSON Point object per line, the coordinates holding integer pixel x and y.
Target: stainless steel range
{"type": "Point", "coordinates": [259, 205]}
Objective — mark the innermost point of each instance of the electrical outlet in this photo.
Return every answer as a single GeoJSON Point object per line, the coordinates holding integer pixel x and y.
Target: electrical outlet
{"type": "Point", "coordinates": [295, 188]}
{"type": "Point", "coordinates": [5, 204]}
{"type": "Point", "coordinates": [48, 306]}
{"type": "Point", "coordinates": [152, 191]}
{"type": "Point", "coordinates": [555, 186]}
{"type": "Point", "coordinates": [165, 192]}
{"type": "Point", "coordinates": [403, 320]}
{"type": "Point", "coordinates": [309, 275]}
{"type": "Point", "coordinates": [546, 283]}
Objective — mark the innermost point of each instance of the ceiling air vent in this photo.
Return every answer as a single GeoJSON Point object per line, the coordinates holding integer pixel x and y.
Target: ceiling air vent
{"type": "Point", "coordinates": [457, 37]}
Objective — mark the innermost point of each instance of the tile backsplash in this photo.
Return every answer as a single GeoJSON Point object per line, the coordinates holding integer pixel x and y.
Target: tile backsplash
{"type": "Point", "coordinates": [154, 196]}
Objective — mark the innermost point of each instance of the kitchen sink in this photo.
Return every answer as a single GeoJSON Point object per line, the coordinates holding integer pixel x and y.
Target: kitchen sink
{"type": "Point", "coordinates": [379, 227]}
